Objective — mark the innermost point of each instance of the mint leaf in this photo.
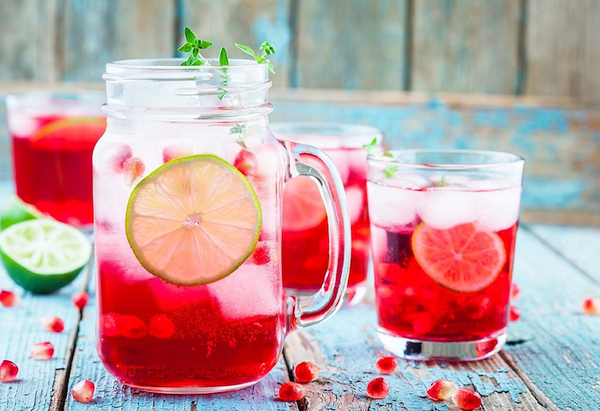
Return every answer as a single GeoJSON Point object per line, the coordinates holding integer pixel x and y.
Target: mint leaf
{"type": "Point", "coordinates": [267, 48]}
{"type": "Point", "coordinates": [203, 44]}
{"type": "Point", "coordinates": [371, 147]}
{"type": "Point", "coordinates": [270, 67]}
{"type": "Point", "coordinates": [190, 61]}
{"type": "Point", "coordinates": [186, 48]}
{"type": "Point", "coordinates": [223, 59]}
{"type": "Point", "coordinates": [442, 182]}
{"type": "Point", "coordinates": [246, 49]}
{"type": "Point", "coordinates": [222, 93]}
{"type": "Point", "coordinates": [190, 37]}
{"type": "Point", "coordinates": [390, 171]}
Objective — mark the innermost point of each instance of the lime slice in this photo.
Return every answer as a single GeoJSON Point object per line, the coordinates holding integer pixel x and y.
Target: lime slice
{"type": "Point", "coordinates": [16, 211]}
{"type": "Point", "coordinates": [193, 221]}
{"type": "Point", "coordinates": [72, 129]}
{"type": "Point", "coordinates": [43, 255]}
{"type": "Point", "coordinates": [462, 258]}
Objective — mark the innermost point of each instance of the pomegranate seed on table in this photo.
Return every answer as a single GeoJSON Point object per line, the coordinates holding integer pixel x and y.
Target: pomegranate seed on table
{"type": "Point", "coordinates": [8, 298]}
{"type": "Point", "coordinates": [591, 306]}
{"type": "Point", "coordinates": [291, 391]}
{"type": "Point", "coordinates": [42, 351]}
{"type": "Point", "coordinates": [83, 391]}
{"type": "Point", "coordinates": [378, 388]}
{"type": "Point", "coordinates": [514, 291]}
{"type": "Point", "coordinates": [80, 299]}
{"type": "Point", "coordinates": [466, 399]}
{"type": "Point", "coordinates": [514, 314]}
{"type": "Point", "coordinates": [8, 371]}
{"type": "Point", "coordinates": [53, 324]}
{"type": "Point", "coordinates": [386, 365]}
{"type": "Point", "coordinates": [441, 390]}
{"type": "Point", "coordinates": [306, 372]}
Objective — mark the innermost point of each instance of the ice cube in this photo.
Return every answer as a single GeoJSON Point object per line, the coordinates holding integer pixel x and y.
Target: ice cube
{"type": "Point", "coordinates": [444, 208]}
{"type": "Point", "coordinates": [498, 209]}
{"type": "Point", "coordinates": [392, 206]}
{"type": "Point", "coordinates": [342, 163]}
{"type": "Point", "coordinates": [355, 201]}
{"type": "Point", "coordinates": [22, 125]}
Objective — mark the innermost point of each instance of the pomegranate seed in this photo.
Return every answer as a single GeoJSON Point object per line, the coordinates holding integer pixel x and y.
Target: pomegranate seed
{"type": "Point", "coordinates": [121, 153]}
{"type": "Point", "coordinates": [83, 391]}
{"type": "Point", "coordinates": [42, 351]}
{"type": "Point", "coordinates": [514, 291]}
{"type": "Point", "coordinates": [261, 254]}
{"type": "Point", "coordinates": [133, 169]}
{"type": "Point", "coordinates": [441, 390]}
{"type": "Point", "coordinates": [291, 392]}
{"type": "Point", "coordinates": [378, 388]}
{"type": "Point", "coordinates": [161, 326]}
{"type": "Point", "coordinates": [8, 371]}
{"type": "Point", "coordinates": [514, 313]}
{"type": "Point", "coordinates": [306, 372]}
{"type": "Point", "coordinates": [386, 365]}
{"type": "Point", "coordinates": [246, 162]}
{"type": "Point", "coordinates": [8, 298]}
{"type": "Point", "coordinates": [132, 327]}
{"type": "Point", "coordinates": [108, 324]}
{"type": "Point", "coordinates": [466, 399]}
{"type": "Point", "coordinates": [423, 323]}
{"type": "Point", "coordinates": [80, 299]}
{"type": "Point", "coordinates": [591, 306]}
{"type": "Point", "coordinates": [53, 324]}
{"type": "Point", "coordinates": [176, 151]}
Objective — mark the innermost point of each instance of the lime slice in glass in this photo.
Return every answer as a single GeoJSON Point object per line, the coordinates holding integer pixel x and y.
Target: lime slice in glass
{"type": "Point", "coordinates": [16, 211]}
{"type": "Point", "coordinates": [43, 255]}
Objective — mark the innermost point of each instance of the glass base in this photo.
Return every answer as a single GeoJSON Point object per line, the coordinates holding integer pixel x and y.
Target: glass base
{"type": "Point", "coordinates": [436, 350]}
{"type": "Point", "coordinates": [191, 390]}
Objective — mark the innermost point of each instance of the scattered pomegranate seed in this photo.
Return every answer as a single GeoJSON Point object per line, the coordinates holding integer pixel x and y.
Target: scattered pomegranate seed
{"type": "Point", "coordinates": [386, 365]}
{"type": "Point", "coordinates": [83, 391]}
{"type": "Point", "coordinates": [378, 388]}
{"type": "Point", "coordinates": [514, 291]}
{"type": "Point", "coordinates": [246, 162]}
{"type": "Point", "coordinates": [591, 306]}
{"type": "Point", "coordinates": [121, 153]}
{"type": "Point", "coordinates": [161, 326]}
{"type": "Point", "coordinates": [133, 169]}
{"type": "Point", "coordinates": [441, 390]}
{"type": "Point", "coordinates": [8, 298]}
{"type": "Point", "coordinates": [131, 326]}
{"type": "Point", "coordinates": [53, 324]}
{"type": "Point", "coordinates": [291, 391]}
{"type": "Point", "coordinates": [80, 299]}
{"type": "Point", "coordinates": [514, 313]}
{"type": "Point", "coordinates": [176, 151]}
{"type": "Point", "coordinates": [306, 372]}
{"type": "Point", "coordinates": [42, 351]}
{"type": "Point", "coordinates": [8, 371]}
{"type": "Point", "coordinates": [466, 399]}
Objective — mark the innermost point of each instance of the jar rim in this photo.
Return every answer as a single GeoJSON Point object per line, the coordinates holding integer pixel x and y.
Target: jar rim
{"type": "Point", "coordinates": [470, 159]}
{"type": "Point", "coordinates": [327, 135]}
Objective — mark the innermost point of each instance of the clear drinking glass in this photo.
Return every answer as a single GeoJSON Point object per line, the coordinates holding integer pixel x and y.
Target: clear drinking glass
{"type": "Point", "coordinates": [305, 240]}
{"type": "Point", "coordinates": [53, 136]}
{"type": "Point", "coordinates": [226, 334]}
{"type": "Point", "coordinates": [443, 227]}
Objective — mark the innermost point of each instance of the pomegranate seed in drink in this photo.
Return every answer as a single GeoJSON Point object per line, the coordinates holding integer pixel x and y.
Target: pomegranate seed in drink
{"type": "Point", "coordinates": [591, 306]}
{"type": "Point", "coordinates": [8, 371]}
{"type": "Point", "coordinates": [386, 365]}
{"type": "Point", "coordinates": [514, 314]}
{"type": "Point", "coordinates": [80, 299]}
{"type": "Point", "coordinates": [306, 372]}
{"type": "Point", "coordinates": [466, 399]}
{"type": "Point", "coordinates": [378, 388]}
{"type": "Point", "coordinates": [441, 390]}
{"type": "Point", "coordinates": [161, 326]}
{"type": "Point", "coordinates": [121, 154]}
{"type": "Point", "coordinates": [133, 169]}
{"type": "Point", "coordinates": [133, 327]}
{"type": "Point", "coordinates": [42, 351]}
{"type": "Point", "coordinates": [291, 391]}
{"type": "Point", "coordinates": [514, 291]}
{"type": "Point", "coordinates": [246, 162]}
{"type": "Point", "coordinates": [8, 298]}
{"type": "Point", "coordinates": [83, 391]}
{"type": "Point", "coordinates": [53, 324]}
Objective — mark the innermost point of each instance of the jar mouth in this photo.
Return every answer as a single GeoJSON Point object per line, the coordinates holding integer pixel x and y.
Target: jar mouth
{"type": "Point", "coordinates": [446, 159]}
{"type": "Point", "coordinates": [326, 135]}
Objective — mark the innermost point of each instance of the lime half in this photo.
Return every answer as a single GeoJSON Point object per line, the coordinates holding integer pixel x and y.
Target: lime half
{"type": "Point", "coordinates": [193, 221]}
{"type": "Point", "coordinates": [43, 255]}
{"type": "Point", "coordinates": [16, 211]}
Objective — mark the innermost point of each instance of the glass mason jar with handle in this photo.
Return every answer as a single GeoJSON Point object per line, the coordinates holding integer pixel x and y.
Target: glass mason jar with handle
{"type": "Point", "coordinates": [188, 184]}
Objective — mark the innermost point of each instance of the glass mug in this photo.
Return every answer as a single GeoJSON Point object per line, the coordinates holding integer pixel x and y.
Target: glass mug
{"type": "Point", "coordinates": [305, 241]}
{"type": "Point", "coordinates": [227, 334]}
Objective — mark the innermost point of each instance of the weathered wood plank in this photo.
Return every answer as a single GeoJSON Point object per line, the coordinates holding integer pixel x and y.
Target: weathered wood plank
{"type": "Point", "coordinates": [563, 57]}
{"type": "Point", "coordinates": [352, 45]}
{"type": "Point", "coordinates": [465, 46]}
{"type": "Point", "coordinates": [28, 43]}
{"type": "Point", "coordinates": [96, 32]}
{"type": "Point", "coordinates": [247, 22]}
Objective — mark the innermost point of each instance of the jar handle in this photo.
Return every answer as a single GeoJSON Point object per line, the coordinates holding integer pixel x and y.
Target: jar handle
{"type": "Point", "coordinates": [311, 162]}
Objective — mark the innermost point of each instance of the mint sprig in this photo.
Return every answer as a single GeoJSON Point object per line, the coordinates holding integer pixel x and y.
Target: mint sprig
{"type": "Point", "coordinates": [266, 49]}
{"type": "Point", "coordinates": [193, 45]}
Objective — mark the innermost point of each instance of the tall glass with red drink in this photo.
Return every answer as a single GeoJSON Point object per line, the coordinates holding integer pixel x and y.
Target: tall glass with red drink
{"type": "Point", "coordinates": [444, 225]}
{"type": "Point", "coordinates": [305, 242]}
{"type": "Point", "coordinates": [53, 136]}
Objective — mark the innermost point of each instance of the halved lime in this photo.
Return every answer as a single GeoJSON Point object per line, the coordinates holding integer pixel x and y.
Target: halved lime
{"type": "Point", "coordinates": [16, 211]}
{"type": "Point", "coordinates": [43, 255]}
{"type": "Point", "coordinates": [193, 221]}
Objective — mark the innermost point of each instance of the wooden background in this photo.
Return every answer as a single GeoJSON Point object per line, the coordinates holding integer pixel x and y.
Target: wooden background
{"type": "Point", "coordinates": [521, 47]}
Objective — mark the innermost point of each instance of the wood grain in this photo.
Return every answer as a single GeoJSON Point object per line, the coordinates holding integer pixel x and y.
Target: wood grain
{"type": "Point", "coordinates": [465, 46]}
{"type": "Point", "coordinates": [563, 57]}
{"type": "Point", "coordinates": [248, 22]}
{"type": "Point", "coordinates": [351, 44]}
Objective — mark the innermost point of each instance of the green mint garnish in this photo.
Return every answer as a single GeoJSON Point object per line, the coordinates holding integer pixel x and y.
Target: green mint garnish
{"type": "Point", "coordinates": [193, 45]}
{"type": "Point", "coordinates": [442, 182]}
{"type": "Point", "coordinates": [266, 49]}
{"type": "Point", "coordinates": [390, 172]}
{"type": "Point", "coordinates": [371, 147]}
{"type": "Point", "coordinates": [223, 59]}
{"type": "Point", "coordinates": [238, 129]}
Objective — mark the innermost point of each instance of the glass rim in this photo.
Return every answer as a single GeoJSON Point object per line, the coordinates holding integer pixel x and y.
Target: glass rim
{"type": "Point", "coordinates": [43, 97]}
{"type": "Point", "coordinates": [362, 133]}
{"type": "Point", "coordinates": [504, 159]}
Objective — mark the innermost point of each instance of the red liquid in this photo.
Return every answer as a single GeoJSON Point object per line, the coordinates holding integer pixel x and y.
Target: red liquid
{"type": "Point", "coordinates": [54, 172]}
{"type": "Point", "coordinates": [305, 252]}
{"type": "Point", "coordinates": [411, 305]}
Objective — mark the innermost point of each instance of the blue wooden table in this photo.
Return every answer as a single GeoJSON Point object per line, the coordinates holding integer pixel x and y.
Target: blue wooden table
{"type": "Point", "coordinates": [551, 360]}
